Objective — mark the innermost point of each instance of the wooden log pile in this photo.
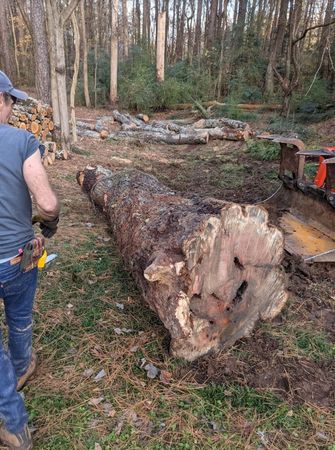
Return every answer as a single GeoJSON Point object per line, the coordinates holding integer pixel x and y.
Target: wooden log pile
{"type": "Point", "coordinates": [210, 269]}
{"type": "Point", "coordinates": [164, 131]}
{"type": "Point", "coordinates": [37, 118]}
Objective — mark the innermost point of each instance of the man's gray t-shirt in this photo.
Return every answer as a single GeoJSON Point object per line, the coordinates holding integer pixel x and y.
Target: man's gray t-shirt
{"type": "Point", "coordinates": [16, 230]}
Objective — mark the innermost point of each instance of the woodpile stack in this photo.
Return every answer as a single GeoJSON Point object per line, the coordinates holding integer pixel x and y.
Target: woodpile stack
{"type": "Point", "coordinates": [164, 131]}
{"type": "Point", "coordinates": [37, 118]}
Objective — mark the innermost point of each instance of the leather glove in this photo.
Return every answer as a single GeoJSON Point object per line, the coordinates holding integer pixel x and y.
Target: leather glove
{"type": "Point", "coordinates": [48, 227]}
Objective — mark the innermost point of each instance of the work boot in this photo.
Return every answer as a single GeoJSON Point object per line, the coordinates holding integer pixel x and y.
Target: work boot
{"type": "Point", "coordinates": [28, 374]}
{"type": "Point", "coordinates": [16, 441]}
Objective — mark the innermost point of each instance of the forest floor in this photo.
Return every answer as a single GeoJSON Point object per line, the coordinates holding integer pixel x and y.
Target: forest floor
{"type": "Point", "coordinates": [93, 333]}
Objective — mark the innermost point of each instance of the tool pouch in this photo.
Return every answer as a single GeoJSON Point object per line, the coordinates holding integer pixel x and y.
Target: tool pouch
{"type": "Point", "coordinates": [32, 252]}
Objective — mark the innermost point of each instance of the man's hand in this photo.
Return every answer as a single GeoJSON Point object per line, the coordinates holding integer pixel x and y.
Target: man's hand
{"type": "Point", "coordinates": [48, 227]}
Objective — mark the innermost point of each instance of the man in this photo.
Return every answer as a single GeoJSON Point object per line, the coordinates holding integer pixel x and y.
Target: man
{"type": "Point", "coordinates": [21, 174]}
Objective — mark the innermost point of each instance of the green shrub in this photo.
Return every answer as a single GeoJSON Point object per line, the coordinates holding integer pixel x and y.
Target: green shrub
{"type": "Point", "coordinates": [289, 127]}
{"type": "Point", "coordinates": [263, 150]}
{"type": "Point", "coordinates": [312, 97]}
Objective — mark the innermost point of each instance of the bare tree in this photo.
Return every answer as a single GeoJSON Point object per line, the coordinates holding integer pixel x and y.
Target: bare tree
{"type": "Point", "coordinates": [56, 22]}
{"type": "Point", "coordinates": [114, 55]}
{"type": "Point", "coordinates": [160, 52]}
{"type": "Point", "coordinates": [41, 56]}
{"type": "Point", "coordinates": [277, 45]}
{"type": "Point", "coordinates": [5, 49]}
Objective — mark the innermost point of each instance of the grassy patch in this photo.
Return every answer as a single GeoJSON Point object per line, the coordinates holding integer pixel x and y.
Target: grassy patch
{"type": "Point", "coordinates": [315, 345]}
{"type": "Point", "coordinates": [78, 310]}
{"type": "Point", "coordinates": [263, 150]}
{"type": "Point", "coordinates": [80, 151]}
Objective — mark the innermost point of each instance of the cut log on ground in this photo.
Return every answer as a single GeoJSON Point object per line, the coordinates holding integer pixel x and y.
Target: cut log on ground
{"type": "Point", "coordinates": [164, 131]}
{"type": "Point", "coordinates": [158, 137]}
{"type": "Point", "coordinates": [214, 103]}
{"type": "Point", "coordinates": [210, 269]}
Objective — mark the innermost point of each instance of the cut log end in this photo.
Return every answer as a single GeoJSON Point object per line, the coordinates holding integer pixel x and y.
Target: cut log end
{"type": "Point", "coordinates": [235, 279]}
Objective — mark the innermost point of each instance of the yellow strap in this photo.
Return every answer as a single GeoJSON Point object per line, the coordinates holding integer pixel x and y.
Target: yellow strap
{"type": "Point", "coordinates": [41, 261]}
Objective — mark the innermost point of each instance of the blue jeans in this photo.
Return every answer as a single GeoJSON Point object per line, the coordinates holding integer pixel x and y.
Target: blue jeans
{"type": "Point", "coordinates": [17, 290]}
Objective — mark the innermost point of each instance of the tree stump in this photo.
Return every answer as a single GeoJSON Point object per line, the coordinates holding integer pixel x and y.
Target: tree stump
{"type": "Point", "coordinates": [210, 269]}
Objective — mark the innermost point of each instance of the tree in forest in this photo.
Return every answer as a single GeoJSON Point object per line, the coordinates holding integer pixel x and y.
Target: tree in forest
{"type": "Point", "coordinates": [114, 54]}
{"type": "Point", "coordinates": [57, 19]}
{"type": "Point", "coordinates": [5, 49]}
{"type": "Point", "coordinates": [40, 44]}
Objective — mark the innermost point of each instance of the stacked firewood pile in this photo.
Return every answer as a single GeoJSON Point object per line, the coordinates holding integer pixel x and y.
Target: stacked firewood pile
{"type": "Point", "coordinates": [36, 118]}
{"type": "Point", "coordinates": [120, 126]}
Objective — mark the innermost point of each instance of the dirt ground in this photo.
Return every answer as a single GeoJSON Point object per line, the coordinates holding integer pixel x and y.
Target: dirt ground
{"type": "Point", "coordinates": [195, 169]}
{"type": "Point", "coordinates": [292, 357]}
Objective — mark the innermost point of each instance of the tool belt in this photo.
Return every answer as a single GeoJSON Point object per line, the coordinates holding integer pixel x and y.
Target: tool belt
{"type": "Point", "coordinates": [32, 252]}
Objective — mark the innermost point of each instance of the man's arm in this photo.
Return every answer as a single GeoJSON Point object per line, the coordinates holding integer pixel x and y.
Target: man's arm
{"type": "Point", "coordinates": [38, 184]}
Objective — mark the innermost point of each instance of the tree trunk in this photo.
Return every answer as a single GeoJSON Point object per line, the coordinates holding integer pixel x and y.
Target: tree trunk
{"type": "Point", "coordinates": [5, 50]}
{"type": "Point", "coordinates": [146, 24]}
{"type": "Point", "coordinates": [56, 23]}
{"type": "Point", "coordinates": [76, 37]}
{"type": "Point", "coordinates": [17, 65]}
{"type": "Point", "coordinates": [84, 43]}
{"type": "Point", "coordinates": [197, 34]}
{"type": "Point", "coordinates": [269, 78]}
{"type": "Point", "coordinates": [160, 52]}
{"type": "Point", "coordinates": [326, 63]}
{"type": "Point", "coordinates": [125, 37]}
{"type": "Point", "coordinates": [209, 269]}
{"type": "Point", "coordinates": [114, 55]}
{"type": "Point", "coordinates": [40, 44]}
{"type": "Point", "coordinates": [212, 24]}
{"type": "Point", "coordinates": [52, 52]}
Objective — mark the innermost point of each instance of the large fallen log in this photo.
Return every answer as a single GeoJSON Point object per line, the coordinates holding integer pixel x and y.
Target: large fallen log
{"type": "Point", "coordinates": [210, 269]}
{"type": "Point", "coordinates": [159, 137]}
{"type": "Point", "coordinates": [214, 103]}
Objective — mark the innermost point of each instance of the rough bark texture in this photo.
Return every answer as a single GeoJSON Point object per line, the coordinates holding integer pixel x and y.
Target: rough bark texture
{"type": "Point", "coordinates": [209, 269]}
{"type": "Point", "coordinates": [41, 58]}
{"type": "Point", "coordinates": [5, 51]}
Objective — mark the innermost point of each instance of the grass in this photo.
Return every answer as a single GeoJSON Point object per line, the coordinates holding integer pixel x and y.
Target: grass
{"type": "Point", "coordinates": [76, 314]}
{"type": "Point", "coordinates": [263, 150]}
{"type": "Point", "coordinates": [75, 320]}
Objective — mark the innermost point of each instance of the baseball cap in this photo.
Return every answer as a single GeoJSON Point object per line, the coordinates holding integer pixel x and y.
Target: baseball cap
{"type": "Point", "coordinates": [7, 87]}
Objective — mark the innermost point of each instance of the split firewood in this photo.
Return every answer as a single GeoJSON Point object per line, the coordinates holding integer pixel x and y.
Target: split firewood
{"type": "Point", "coordinates": [210, 269]}
{"type": "Point", "coordinates": [35, 117]}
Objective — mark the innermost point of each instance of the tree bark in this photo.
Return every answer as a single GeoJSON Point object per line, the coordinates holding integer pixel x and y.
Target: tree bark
{"type": "Point", "coordinates": [40, 44]}
{"type": "Point", "coordinates": [84, 46]}
{"type": "Point", "coordinates": [76, 37]}
{"type": "Point", "coordinates": [56, 22]}
{"type": "Point", "coordinates": [212, 24]}
{"type": "Point", "coordinates": [269, 78]}
{"type": "Point", "coordinates": [125, 31]}
{"type": "Point", "coordinates": [160, 51]}
{"type": "Point", "coordinates": [208, 268]}
{"type": "Point", "coordinates": [114, 55]}
{"type": "Point", "coordinates": [5, 50]}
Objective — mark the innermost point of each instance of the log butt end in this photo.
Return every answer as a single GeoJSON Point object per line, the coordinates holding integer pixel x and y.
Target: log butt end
{"type": "Point", "coordinates": [235, 279]}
